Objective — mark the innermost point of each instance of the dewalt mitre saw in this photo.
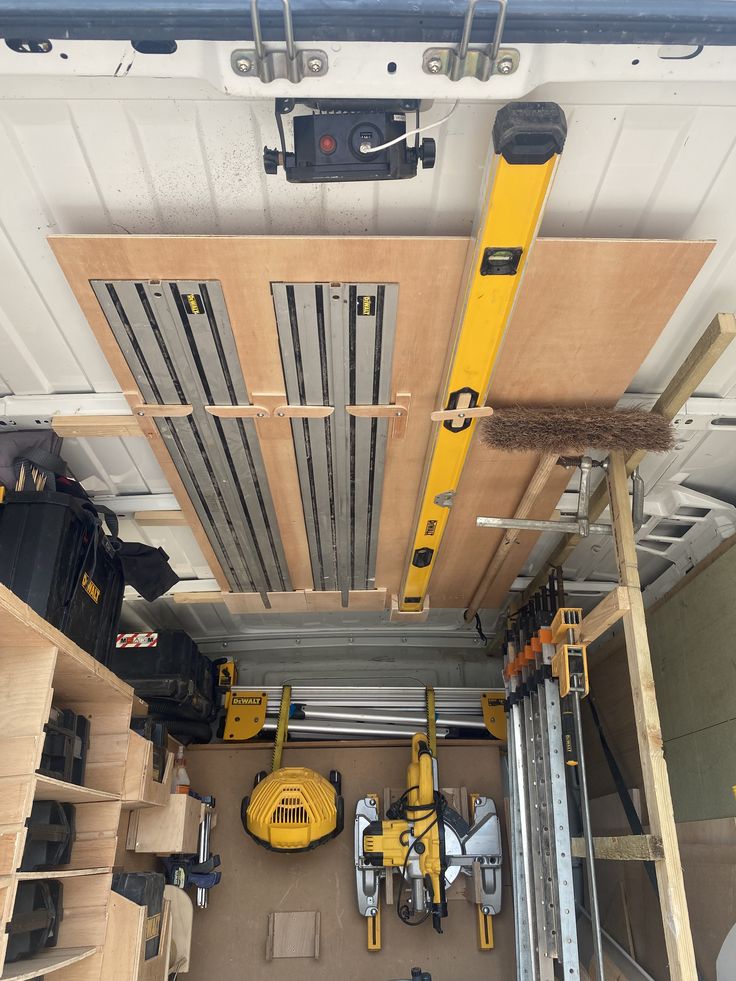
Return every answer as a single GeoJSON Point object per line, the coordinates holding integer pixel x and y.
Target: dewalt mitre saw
{"type": "Point", "coordinates": [429, 844]}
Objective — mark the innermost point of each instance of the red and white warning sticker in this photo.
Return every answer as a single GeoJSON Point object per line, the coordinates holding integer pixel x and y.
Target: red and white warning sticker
{"type": "Point", "coordinates": [137, 640]}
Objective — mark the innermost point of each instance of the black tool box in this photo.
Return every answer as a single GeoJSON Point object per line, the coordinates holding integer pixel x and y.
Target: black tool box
{"type": "Point", "coordinates": [169, 673]}
{"type": "Point", "coordinates": [36, 918]}
{"type": "Point", "coordinates": [144, 889]}
{"type": "Point", "coordinates": [64, 754]}
{"type": "Point", "coordinates": [50, 836]}
{"type": "Point", "coordinates": [55, 557]}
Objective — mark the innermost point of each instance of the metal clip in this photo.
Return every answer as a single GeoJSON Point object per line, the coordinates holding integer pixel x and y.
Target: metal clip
{"type": "Point", "coordinates": [465, 61]}
{"type": "Point", "coordinates": [287, 63]}
{"type": "Point", "coordinates": [445, 499]}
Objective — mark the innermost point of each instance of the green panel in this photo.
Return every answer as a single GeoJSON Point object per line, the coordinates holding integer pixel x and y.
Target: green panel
{"type": "Point", "coordinates": [694, 662]}
{"type": "Point", "coordinates": [701, 769]}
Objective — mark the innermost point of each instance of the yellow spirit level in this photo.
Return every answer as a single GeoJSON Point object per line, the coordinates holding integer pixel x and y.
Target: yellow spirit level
{"type": "Point", "coordinates": [527, 140]}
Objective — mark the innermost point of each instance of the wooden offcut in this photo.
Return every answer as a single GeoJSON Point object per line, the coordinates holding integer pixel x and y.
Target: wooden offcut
{"type": "Point", "coordinates": [293, 935]}
{"type": "Point", "coordinates": [588, 313]}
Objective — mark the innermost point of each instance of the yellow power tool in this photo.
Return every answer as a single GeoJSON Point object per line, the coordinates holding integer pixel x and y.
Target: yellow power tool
{"type": "Point", "coordinates": [429, 844]}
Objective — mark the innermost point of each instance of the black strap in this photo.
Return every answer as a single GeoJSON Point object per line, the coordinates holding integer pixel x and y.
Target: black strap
{"type": "Point", "coordinates": [46, 461]}
{"type": "Point", "coordinates": [622, 790]}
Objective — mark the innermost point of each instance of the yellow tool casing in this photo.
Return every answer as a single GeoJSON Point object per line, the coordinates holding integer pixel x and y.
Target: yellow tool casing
{"type": "Point", "coordinates": [293, 809]}
{"type": "Point", "coordinates": [245, 714]}
{"type": "Point", "coordinates": [492, 703]}
{"type": "Point", "coordinates": [391, 844]}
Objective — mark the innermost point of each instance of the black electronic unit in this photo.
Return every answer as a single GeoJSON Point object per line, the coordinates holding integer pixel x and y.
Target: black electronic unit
{"type": "Point", "coordinates": [56, 558]}
{"type": "Point", "coordinates": [144, 889]}
{"type": "Point", "coordinates": [64, 754]}
{"type": "Point", "coordinates": [36, 918]}
{"type": "Point", "coordinates": [344, 140]}
{"type": "Point", "coordinates": [169, 673]}
{"type": "Point", "coordinates": [50, 836]}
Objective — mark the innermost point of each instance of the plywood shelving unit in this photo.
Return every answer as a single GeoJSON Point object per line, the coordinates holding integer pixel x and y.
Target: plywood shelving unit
{"type": "Point", "coordinates": [40, 667]}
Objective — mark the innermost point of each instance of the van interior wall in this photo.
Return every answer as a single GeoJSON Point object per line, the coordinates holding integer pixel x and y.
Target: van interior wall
{"type": "Point", "coordinates": [693, 657]}
{"type": "Point", "coordinates": [390, 664]}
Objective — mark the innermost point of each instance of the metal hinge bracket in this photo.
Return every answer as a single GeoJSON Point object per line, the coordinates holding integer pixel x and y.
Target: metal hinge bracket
{"type": "Point", "coordinates": [288, 63]}
{"type": "Point", "coordinates": [467, 62]}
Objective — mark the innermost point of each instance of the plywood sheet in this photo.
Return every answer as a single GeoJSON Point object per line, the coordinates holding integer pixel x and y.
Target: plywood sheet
{"type": "Point", "coordinates": [588, 313]}
{"type": "Point", "coordinates": [256, 882]}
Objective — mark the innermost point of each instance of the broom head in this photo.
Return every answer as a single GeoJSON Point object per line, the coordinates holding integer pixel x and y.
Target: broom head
{"type": "Point", "coordinates": [574, 429]}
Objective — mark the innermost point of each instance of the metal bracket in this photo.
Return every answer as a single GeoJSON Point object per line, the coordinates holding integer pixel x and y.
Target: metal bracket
{"type": "Point", "coordinates": [284, 63]}
{"type": "Point", "coordinates": [445, 500]}
{"type": "Point", "coordinates": [480, 63]}
{"type": "Point", "coordinates": [582, 525]}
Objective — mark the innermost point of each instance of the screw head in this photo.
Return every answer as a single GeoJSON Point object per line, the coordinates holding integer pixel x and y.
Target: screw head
{"type": "Point", "coordinates": [244, 65]}
{"type": "Point", "coordinates": [505, 66]}
{"type": "Point", "coordinates": [280, 414]}
{"type": "Point", "coordinates": [260, 415]}
{"type": "Point", "coordinates": [314, 65]}
{"type": "Point", "coordinates": [434, 65]}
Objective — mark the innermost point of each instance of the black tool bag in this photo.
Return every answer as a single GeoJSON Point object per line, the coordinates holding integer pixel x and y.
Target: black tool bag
{"type": "Point", "coordinates": [169, 673]}
{"type": "Point", "coordinates": [55, 557]}
{"type": "Point", "coordinates": [144, 889]}
{"type": "Point", "coordinates": [36, 918]}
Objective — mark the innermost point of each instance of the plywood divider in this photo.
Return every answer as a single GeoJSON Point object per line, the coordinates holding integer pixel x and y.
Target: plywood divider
{"type": "Point", "coordinates": [139, 788]}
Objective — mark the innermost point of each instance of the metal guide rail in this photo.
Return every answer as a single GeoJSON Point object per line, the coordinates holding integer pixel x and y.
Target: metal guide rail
{"type": "Point", "coordinates": [339, 712]}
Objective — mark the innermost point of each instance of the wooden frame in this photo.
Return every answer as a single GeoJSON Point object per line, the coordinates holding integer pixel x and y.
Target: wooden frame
{"type": "Point", "coordinates": [675, 916]}
{"type": "Point", "coordinates": [39, 664]}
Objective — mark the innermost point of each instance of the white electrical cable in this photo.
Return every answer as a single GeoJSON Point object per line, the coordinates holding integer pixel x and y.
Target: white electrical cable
{"type": "Point", "coordinates": [411, 132]}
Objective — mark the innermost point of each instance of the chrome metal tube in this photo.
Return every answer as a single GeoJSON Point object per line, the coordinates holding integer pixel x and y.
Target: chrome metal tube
{"type": "Point", "coordinates": [390, 718]}
{"type": "Point", "coordinates": [532, 524]}
{"type": "Point", "coordinates": [335, 728]}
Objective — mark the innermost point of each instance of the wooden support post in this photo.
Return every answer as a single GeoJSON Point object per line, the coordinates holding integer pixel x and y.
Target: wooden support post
{"type": "Point", "coordinates": [675, 917]}
{"type": "Point", "coordinates": [714, 340]}
{"type": "Point", "coordinates": [609, 611]}
{"type": "Point", "coordinates": [622, 848]}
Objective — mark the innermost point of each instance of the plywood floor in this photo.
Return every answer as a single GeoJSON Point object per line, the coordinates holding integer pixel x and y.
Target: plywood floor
{"type": "Point", "coordinates": [229, 939]}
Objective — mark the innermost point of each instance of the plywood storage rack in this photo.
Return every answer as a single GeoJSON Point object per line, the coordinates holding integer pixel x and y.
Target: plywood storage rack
{"type": "Point", "coordinates": [40, 667]}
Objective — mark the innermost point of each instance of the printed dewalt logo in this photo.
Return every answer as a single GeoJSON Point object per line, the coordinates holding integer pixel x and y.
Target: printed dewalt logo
{"type": "Point", "coordinates": [247, 699]}
{"type": "Point", "coordinates": [194, 302]}
{"type": "Point", "coordinates": [431, 527]}
{"type": "Point", "coordinates": [366, 305]}
{"type": "Point", "coordinates": [92, 590]}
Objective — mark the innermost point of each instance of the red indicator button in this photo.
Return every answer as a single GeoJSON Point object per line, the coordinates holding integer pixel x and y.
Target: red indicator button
{"type": "Point", "coordinates": [327, 143]}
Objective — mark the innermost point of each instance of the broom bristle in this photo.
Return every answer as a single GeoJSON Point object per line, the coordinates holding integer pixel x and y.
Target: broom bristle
{"type": "Point", "coordinates": [574, 429]}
